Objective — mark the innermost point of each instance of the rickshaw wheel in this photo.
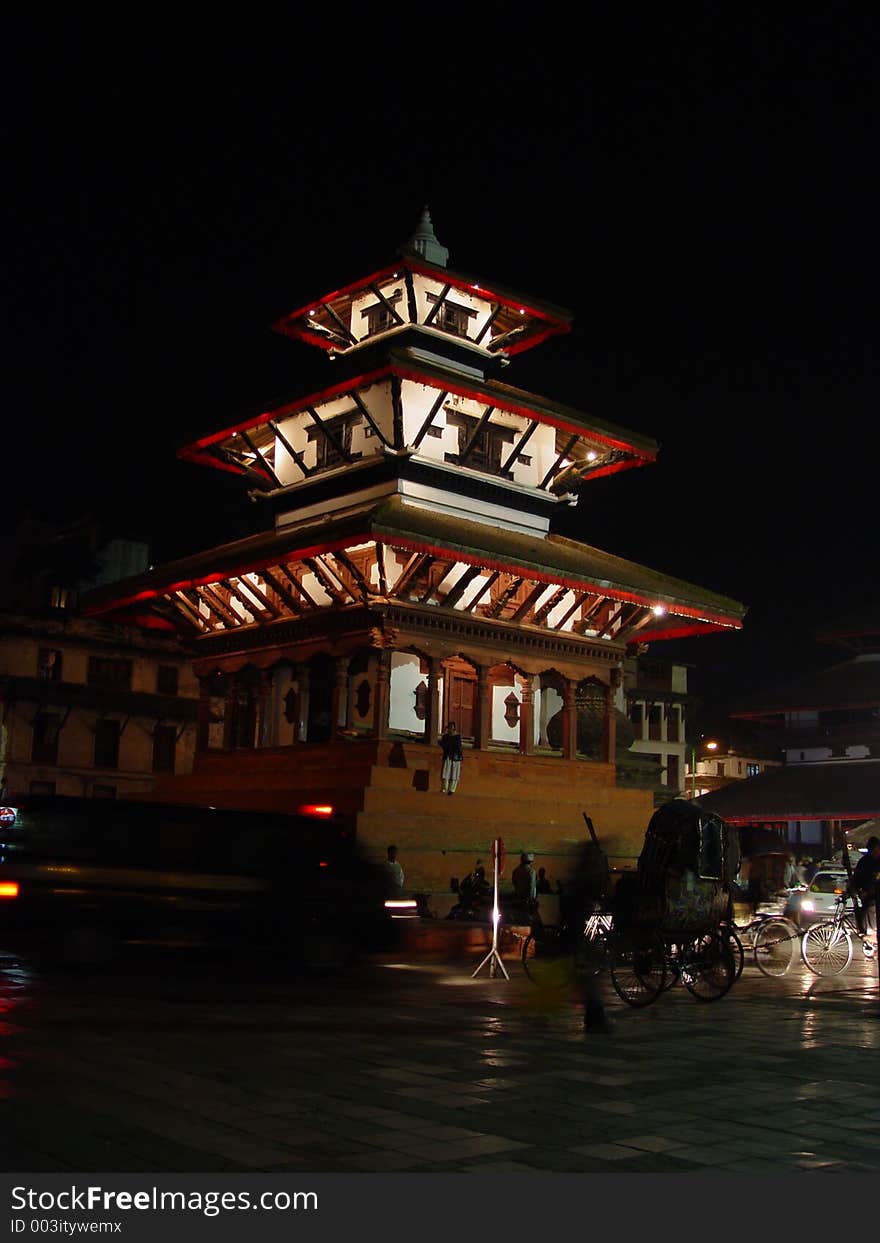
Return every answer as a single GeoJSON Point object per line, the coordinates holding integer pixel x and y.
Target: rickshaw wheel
{"type": "Point", "coordinates": [638, 966]}
{"type": "Point", "coordinates": [775, 943]}
{"type": "Point", "coordinates": [708, 971]}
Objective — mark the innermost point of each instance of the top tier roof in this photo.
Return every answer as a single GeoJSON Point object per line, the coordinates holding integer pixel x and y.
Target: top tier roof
{"type": "Point", "coordinates": [417, 288]}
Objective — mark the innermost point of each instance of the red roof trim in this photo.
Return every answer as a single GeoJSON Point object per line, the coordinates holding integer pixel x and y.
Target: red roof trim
{"type": "Point", "coordinates": [708, 626]}
{"type": "Point", "coordinates": [291, 407]}
{"type": "Point", "coordinates": [280, 325]}
{"type": "Point", "coordinates": [288, 326]}
{"type": "Point", "coordinates": [704, 626]}
{"type": "Point", "coordinates": [448, 278]}
{"type": "Point", "coordinates": [798, 813]}
{"type": "Point", "coordinates": [514, 407]}
{"type": "Point", "coordinates": [574, 584]}
{"type": "Point", "coordinates": [194, 452]}
{"type": "Point", "coordinates": [188, 584]}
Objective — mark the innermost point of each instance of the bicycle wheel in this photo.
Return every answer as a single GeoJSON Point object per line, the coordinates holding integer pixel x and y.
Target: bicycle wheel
{"type": "Point", "coordinates": [540, 949]}
{"type": "Point", "coordinates": [827, 948]}
{"type": "Point", "coordinates": [708, 969]}
{"type": "Point", "coordinates": [774, 947]}
{"type": "Point", "coordinates": [638, 966]}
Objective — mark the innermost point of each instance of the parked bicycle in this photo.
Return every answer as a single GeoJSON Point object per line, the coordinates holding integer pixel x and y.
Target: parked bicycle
{"type": "Point", "coordinates": [827, 947]}
{"type": "Point", "coordinates": [772, 941]}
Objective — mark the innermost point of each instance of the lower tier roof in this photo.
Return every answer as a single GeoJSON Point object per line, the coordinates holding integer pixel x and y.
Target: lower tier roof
{"type": "Point", "coordinates": [666, 607]}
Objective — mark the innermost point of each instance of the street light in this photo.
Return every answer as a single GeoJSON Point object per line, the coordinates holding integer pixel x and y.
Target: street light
{"type": "Point", "coordinates": [711, 745]}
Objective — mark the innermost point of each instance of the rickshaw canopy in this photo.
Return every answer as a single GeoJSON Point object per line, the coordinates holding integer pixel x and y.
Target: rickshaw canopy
{"type": "Point", "coordinates": [681, 837]}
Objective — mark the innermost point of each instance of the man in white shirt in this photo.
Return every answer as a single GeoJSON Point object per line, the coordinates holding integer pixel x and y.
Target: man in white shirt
{"type": "Point", "coordinates": [395, 872]}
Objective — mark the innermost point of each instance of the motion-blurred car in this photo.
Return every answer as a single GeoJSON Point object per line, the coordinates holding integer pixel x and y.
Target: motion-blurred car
{"type": "Point", "coordinates": [819, 900]}
{"type": "Point", "coordinates": [83, 879]}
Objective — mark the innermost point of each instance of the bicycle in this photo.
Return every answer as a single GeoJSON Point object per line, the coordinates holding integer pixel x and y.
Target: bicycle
{"type": "Point", "coordinates": [642, 962]}
{"type": "Point", "coordinates": [771, 940]}
{"type": "Point", "coordinates": [547, 942]}
{"type": "Point", "coordinates": [827, 947]}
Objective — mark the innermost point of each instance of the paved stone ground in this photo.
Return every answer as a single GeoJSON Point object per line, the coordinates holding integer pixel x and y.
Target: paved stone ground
{"type": "Point", "coordinates": [418, 1067]}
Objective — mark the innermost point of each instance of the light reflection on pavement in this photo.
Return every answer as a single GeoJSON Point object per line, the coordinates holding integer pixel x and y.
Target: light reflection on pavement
{"type": "Point", "coordinates": [420, 1067]}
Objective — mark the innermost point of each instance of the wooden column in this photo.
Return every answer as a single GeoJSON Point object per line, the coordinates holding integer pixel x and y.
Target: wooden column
{"type": "Point", "coordinates": [432, 731]}
{"type": "Point", "coordinates": [263, 693]}
{"type": "Point", "coordinates": [483, 710]}
{"type": "Point", "coordinates": [339, 710]}
{"type": "Point", "coordinates": [569, 720]}
{"type": "Point", "coordinates": [527, 716]}
{"type": "Point", "coordinates": [302, 682]}
{"type": "Point", "coordinates": [383, 694]}
{"type": "Point", "coordinates": [609, 724]}
{"type": "Point", "coordinates": [230, 717]}
{"type": "Point", "coordinates": [203, 717]}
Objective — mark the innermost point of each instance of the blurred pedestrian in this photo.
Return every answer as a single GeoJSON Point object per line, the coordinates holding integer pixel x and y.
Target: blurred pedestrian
{"type": "Point", "coordinates": [452, 757]}
{"type": "Point", "coordinates": [864, 884]}
{"type": "Point", "coordinates": [586, 893]}
{"type": "Point", "coordinates": [542, 884]}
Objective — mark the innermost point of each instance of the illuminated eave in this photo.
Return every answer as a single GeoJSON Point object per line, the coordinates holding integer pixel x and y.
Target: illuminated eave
{"type": "Point", "coordinates": [639, 451]}
{"type": "Point", "coordinates": [552, 320]}
{"type": "Point", "coordinates": [637, 593]}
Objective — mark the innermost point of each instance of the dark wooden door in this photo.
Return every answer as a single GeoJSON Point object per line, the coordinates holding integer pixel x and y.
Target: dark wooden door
{"type": "Point", "coordinates": [458, 705]}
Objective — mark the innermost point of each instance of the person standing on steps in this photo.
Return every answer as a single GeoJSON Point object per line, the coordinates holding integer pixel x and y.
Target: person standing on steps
{"type": "Point", "coordinates": [451, 770]}
{"type": "Point", "coordinates": [395, 873]}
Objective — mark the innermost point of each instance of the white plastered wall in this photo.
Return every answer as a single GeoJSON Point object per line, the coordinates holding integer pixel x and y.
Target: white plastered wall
{"type": "Point", "coordinates": [405, 677]}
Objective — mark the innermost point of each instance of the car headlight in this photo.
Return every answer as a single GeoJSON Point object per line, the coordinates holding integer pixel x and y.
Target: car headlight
{"type": "Point", "coordinates": [807, 904]}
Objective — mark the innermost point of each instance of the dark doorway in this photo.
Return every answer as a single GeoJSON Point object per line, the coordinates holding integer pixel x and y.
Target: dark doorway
{"type": "Point", "coordinates": [244, 707]}
{"type": "Point", "coordinates": [322, 673]}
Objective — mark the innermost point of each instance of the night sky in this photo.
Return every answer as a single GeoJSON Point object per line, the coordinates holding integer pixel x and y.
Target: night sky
{"type": "Point", "coordinates": [701, 193]}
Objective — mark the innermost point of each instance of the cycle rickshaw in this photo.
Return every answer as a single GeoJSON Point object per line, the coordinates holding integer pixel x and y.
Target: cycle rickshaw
{"type": "Point", "coordinates": [667, 920]}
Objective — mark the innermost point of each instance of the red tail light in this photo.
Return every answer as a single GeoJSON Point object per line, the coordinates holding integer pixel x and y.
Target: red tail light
{"type": "Point", "coordinates": [316, 809]}
{"type": "Point", "coordinates": [9, 889]}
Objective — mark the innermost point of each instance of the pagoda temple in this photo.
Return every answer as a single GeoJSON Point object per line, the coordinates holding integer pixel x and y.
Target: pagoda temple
{"type": "Point", "coordinates": [409, 575]}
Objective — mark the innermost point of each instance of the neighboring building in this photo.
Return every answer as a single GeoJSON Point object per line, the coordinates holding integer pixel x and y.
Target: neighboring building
{"type": "Point", "coordinates": [409, 574]}
{"type": "Point", "coordinates": [827, 726]}
{"type": "Point", "coordinates": [88, 707]}
{"type": "Point", "coordinates": [657, 701]}
{"type": "Point", "coordinates": [712, 764]}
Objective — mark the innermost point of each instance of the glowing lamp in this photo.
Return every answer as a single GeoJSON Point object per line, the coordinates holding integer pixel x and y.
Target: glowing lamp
{"type": "Point", "coordinates": [9, 889]}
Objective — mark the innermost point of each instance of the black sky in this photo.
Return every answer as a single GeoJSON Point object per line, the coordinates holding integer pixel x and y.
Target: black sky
{"type": "Point", "coordinates": [700, 192]}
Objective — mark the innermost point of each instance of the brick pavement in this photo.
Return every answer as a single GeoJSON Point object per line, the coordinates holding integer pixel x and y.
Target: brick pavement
{"type": "Point", "coordinates": [418, 1067]}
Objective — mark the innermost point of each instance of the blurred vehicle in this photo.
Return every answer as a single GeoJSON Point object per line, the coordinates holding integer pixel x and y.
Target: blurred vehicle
{"type": "Point", "coordinates": [818, 900]}
{"type": "Point", "coordinates": [85, 879]}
